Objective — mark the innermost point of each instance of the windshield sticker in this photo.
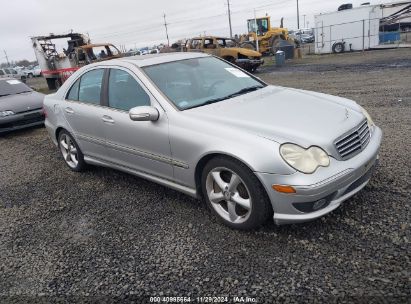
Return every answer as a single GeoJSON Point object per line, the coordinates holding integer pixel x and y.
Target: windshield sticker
{"type": "Point", "coordinates": [237, 72]}
{"type": "Point", "coordinates": [14, 81]}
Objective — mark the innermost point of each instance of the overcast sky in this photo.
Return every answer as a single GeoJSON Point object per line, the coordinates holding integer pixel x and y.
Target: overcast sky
{"type": "Point", "coordinates": [140, 23]}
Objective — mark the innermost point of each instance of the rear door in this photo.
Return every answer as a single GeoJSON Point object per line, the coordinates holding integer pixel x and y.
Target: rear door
{"type": "Point", "coordinates": [140, 145]}
{"type": "Point", "coordinates": [85, 115]}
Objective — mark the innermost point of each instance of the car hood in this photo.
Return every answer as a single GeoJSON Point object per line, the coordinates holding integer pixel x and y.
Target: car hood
{"type": "Point", "coordinates": [286, 115]}
{"type": "Point", "coordinates": [245, 52]}
{"type": "Point", "coordinates": [22, 102]}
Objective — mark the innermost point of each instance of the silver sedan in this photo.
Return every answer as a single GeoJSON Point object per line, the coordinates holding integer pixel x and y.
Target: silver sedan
{"type": "Point", "coordinates": [198, 124]}
{"type": "Point", "coordinates": [20, 106]}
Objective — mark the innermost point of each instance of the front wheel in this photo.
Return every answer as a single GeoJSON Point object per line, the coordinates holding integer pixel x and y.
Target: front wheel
{"type": "Point", "coordinates": [234, 194]}
{"type": "Point", "coordinates": [71, 152]}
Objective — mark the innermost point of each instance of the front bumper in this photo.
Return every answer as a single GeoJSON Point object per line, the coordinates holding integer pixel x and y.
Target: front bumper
{"type": "Point", "coordinates": [331, 185]}
{"type": "Point", "coordinates": [21, 120]}
{"type": "Point", "coordinates": [248, 64]}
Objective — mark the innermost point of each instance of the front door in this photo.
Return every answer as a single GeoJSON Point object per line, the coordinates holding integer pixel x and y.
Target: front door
{"type": "Point", "coordinates": [139, 145]}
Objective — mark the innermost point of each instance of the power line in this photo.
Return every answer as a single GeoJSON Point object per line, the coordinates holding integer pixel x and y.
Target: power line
{"type": "Point", "coordinates": [156, 26]}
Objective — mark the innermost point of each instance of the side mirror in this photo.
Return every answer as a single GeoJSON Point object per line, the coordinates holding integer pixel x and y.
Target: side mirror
{"type": "Point", "coordinates": [144, 113]}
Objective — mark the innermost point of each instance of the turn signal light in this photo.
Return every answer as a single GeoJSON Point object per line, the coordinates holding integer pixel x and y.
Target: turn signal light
{"type": "Point", "coordinates": [43, 110]}
{"type": "Point", "coordinates": [283, 189]}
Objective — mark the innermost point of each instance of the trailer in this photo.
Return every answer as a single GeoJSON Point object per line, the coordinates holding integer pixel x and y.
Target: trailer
{"type": "Point", "coordinates": [57, 65]}
{"type": "Point", "coordinates": [347, 30]}
{"type": "Point", "coordinates": [356, 29]}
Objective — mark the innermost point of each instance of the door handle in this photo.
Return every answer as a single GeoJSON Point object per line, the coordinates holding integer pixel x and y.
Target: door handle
{"type": "Point", "coordinates": [107, 119]}
{"type": "Point", "coordinates": [69, 110]}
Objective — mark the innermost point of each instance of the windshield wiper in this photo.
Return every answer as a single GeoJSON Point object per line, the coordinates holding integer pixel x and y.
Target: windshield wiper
{"type": "Point", "coordinates": [240, 92]}
{"type": "Point", "coordinates": [4, 95]}
{"type": "Point", "coordinates": [22, 92]}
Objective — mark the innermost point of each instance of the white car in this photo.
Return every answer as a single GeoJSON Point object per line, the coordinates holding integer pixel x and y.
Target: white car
{"type": "Point", "coordinates": [34, 72]}
{"type": "Point", "coordinates": [12, 73]}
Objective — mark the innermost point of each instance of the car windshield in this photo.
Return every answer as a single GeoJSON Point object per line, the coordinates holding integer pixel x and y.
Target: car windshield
{"type": "Point", "coordinates": [196, 82]}
{"type": "Point", "coordinates": [12, 87]}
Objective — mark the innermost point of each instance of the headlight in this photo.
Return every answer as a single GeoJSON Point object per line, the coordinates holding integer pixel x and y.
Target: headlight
{"type": "Point", "coordinates": [304, 160]}
{"type": "Point", "coordinates": [6, 113]}
{"type": "Point", "coordinates": [369, 119]}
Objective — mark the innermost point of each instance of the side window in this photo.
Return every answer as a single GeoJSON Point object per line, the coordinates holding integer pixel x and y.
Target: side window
{"type": "Point", "coordinates": [1, 72]}
{"type": "Point", "coordinates": [90, 86]}
{"type": "Point", "coordinates": [124, 92]}
{"type": "Point", "coordinates": [195, 44]}
{"type": "Point", "coordinates": [14, 71]}
{"type": "Point", "coordinates": [7, 71]}
{"type": "Point", "coordinates": [73, 93]}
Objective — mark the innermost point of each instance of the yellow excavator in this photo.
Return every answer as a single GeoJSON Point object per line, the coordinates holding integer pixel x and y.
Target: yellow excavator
{"type": "Point", "coordinates": [269, 38]}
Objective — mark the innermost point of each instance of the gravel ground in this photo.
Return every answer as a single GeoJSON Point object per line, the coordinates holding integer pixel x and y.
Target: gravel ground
{"type": "Point", "coordinates": [105, 236]}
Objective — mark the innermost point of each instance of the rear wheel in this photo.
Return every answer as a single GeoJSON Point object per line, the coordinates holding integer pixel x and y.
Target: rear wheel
{"type": "Point", "coordinates": [234, 194]}
{"type": "Point", "coordinates": [338, 47]}
{"type": "Point", "coordinates": [275, 43]}
{"type": "Point", "coordinates": [248, 45]}
{"type": "Point", "coordinates": [51, 83]}
{"type": "Point", "coordinates": [71, 152]}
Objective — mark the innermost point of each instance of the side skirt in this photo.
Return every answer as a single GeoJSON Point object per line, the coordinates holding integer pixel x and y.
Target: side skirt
{"type": "Point", "coordinates": [165, 182]}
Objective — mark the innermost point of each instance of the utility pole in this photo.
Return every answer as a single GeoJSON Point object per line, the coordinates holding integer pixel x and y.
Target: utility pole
{"type": "Point", "coordinates": [165, 25]}
{"type": "Point", "coordinates": [229, 18]}
{"type": "Point", "coordinates": [304, 21]}
{"type": "Point", "coordinates": [298, 16]}
{"type": "Point", "coordinates": [256, 32]}
{"type": "Point", "coordinates": [7, 58]}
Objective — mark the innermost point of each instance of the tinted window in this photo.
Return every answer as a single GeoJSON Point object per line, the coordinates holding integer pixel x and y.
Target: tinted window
{"type": "Point", "coordinates": [124, 92]}
{"type": "Point", "coordinates": [14, 72]}
{"type": "Point", "coordinates": [90, 86]}
{"type": "Point", "coordinates": [1, 72]}
{"type": "Point", "coordinates": [7, 71]}
{"type": "Point", "coordinates": [73, 93]}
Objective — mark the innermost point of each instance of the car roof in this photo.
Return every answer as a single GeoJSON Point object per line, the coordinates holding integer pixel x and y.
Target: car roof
{"type": "Point", "coordinates": [152, 59]}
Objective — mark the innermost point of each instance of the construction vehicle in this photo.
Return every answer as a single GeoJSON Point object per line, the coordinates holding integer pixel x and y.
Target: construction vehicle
{"type": "Point", "coordinates": [56, 66]}
{"type": "Point", "coordinates": [269, 38]}
{"type": "Point", "coordinates": [227, 49]}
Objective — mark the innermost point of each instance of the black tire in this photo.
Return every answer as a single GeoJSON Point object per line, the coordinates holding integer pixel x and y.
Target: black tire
{"type": "Point", "coordinates": [338, 47]}
{"type": "Point", "coordinates": [261, 208]}
{"type": "Point", "coordinates": [58, 83]}
{"type": "Point", "coordinates": [81, 165]}
{"type": "Point", "coordinates": [230, 59]}
{"type": "Point", "coordinates": [275, 42]}
{"type": "Point", "coordinates": [51, 83]}
{"type": "Point", "coordinates": [248, 45]}
{"type": "Point", "coordinates": [30, 75]}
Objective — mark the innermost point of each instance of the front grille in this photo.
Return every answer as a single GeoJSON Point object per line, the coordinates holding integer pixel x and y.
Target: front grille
{"type": "Point", "coordinates": [25, 120]}
{"type": "Point", "coordinates": [354, 141]}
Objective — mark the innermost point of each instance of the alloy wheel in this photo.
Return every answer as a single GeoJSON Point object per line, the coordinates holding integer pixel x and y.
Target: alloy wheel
{"type": "Point", "coordinates": [229, 195]}
{"type": "Point", "coordinates": [69, 151]}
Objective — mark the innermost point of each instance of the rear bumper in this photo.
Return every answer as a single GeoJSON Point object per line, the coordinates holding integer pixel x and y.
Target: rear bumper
{"type": "Point", "coordinates": [323, 191]}
{"type": "Point", "coordinates": [20, 121]}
